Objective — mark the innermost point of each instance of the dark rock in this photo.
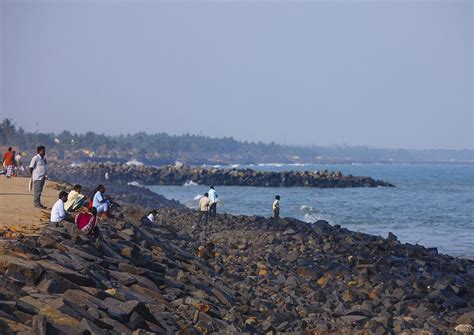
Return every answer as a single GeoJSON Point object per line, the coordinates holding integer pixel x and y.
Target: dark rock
{"type": "Point", "coordinates": [466, 318]}
{"type": "Point", "coordinates": [92, 328]}
{"type": "Point", "coordinates": [20, 269]}
{"type": "Point", "coordinates": [71, 275]}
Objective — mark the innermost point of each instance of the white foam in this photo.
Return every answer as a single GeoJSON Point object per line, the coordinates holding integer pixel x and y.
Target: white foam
{"type": "Point", "coordinates": [311, 214]}
{"type": "Point", "coordinates": [271, 164]}
{"type": "Point", "coordinates": [190, 183]}
{"type": "Point", "coordinates": [134, 162]}
{"type": "Point", "coordinates": [298, 164]}
{"type": "Point", "coordinates": [197, 197]}
{"type": "Point", "coordinates": [135, 183]}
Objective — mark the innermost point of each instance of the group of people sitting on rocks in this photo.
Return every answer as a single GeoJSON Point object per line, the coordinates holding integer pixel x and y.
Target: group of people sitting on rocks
{"type": "Point", "coordinates": [75, 207]}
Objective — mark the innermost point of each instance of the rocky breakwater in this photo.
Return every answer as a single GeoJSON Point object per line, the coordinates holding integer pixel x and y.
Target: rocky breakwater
{"type": "Point", "coordinates": [237, 274]}
{"type": "Point", "coordinates": [179, 175]}
{"type": "Point", "coordinates": [130, 194]}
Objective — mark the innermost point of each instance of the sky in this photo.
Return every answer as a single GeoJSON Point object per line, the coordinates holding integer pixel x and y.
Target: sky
{"type": "Point", "coordinates": [394, 74]}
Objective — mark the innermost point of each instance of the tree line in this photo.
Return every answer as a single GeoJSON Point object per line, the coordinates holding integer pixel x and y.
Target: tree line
{"type": "Point", "coordinates": [163, 148]}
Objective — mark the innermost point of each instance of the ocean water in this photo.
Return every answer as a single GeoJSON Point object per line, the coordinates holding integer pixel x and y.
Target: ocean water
{"type": "Point", "coordinates": [432, 205]}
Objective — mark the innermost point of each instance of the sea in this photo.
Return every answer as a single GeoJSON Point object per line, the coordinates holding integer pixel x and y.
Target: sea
{"type": "Point", "coordinates": [431, 204]}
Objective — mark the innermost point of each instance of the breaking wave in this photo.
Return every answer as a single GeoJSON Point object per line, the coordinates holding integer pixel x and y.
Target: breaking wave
{"type": "Point", "coordinates": [311, 215]}
{"type": "Point", "coordinates": [190, 183]}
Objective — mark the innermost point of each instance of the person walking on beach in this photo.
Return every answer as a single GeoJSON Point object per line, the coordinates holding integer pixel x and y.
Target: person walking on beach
{"type": "Point", "coordinates": [212, 202]}
{"type": "Point", "coordinates": [204, 208]}
{"type": "Point", "coordinates": [58, 213]}
{"type": "Point", "coordinates": [8, 162]}
{"type": "Point", "coordinates": [18, 164]}
{"type": "Point", "coordinates": [276, 209]}
{"type": "Point", "coordinates": [38, 175]}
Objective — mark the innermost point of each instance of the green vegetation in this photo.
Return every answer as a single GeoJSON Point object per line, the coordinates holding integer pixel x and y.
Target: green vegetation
{"type": "Point", "coordinates": [163, 148]}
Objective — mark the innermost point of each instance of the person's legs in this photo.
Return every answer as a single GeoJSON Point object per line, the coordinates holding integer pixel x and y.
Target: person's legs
{"type": "Point", "coordinates": [76, 205]}
{"type": "Point", "coordinates": [206, 217]}
{"type": "Point", "coordinates": [103, 210]}
{"type": "Point", "coordinates": [38, 189]}
{"type": "Point", "coordinates": [213, 211]}
{"type": "Point", "coordinates": [201, 213]}
{"type": "Point", "coordinates": [276, 216]}
{"type": "Point", "coordinates": [9, 171]}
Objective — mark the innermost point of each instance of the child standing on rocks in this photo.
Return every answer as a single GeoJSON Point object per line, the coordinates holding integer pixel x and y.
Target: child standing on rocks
{"type": "Point", "coordinates": [276, 209]}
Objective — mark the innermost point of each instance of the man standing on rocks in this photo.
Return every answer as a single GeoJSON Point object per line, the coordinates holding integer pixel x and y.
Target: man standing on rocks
{"type": "Point", "coordinates": [276, 209]}
{"type": "Point", "coordinates": [38, 175]}
{"type": "Point", "coordinates": [213, 202]}
{"type": "Point", "coordinates": [204, 208]}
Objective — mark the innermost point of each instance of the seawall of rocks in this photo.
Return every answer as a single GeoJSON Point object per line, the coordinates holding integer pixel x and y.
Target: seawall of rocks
{"type": "Point", "coordinates": [236, 274]}
{"type": "Point", "coordinates": [179, 175]}
{"type": "Point", "coordinates": [132, 195]}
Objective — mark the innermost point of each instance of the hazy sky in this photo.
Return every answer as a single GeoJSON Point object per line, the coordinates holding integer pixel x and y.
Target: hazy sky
{"type": "Point", "coordinates": [385, 73]}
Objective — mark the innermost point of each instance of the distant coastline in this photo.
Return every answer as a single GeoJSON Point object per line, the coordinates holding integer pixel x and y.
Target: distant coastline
{"type": "Point", "coordinates": [163, 149]}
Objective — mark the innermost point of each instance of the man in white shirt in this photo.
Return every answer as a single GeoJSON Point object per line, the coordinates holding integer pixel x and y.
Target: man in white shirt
{"type": "Point", "coordinates": [212, 202]}
{"type": "Point", "coordinates": [38, 175]}
{"type": "Point", "coordinates": [276, 209]}
{"type": "Point", "coordinates": [204, 208]}
{"type": "Point", "coordinates": [58, 213]}
{"type": "Point", "coordinates": [152, 215]}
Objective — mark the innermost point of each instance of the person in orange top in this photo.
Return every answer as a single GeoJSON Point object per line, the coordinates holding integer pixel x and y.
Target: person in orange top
{"type": "Point", "coordinates": [8, 161]}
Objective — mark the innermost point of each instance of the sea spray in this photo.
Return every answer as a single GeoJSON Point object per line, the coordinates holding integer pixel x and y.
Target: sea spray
{"type": "Point", "coordinates": [190, 183]}
{"type": "Point", "coordinates": [311, 215]}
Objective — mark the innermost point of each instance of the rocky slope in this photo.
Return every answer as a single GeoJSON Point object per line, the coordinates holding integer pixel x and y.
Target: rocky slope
{"type": "Point", "coordinates": [173, 175]}
{"type": "Point", "coordinates": [236, 274]}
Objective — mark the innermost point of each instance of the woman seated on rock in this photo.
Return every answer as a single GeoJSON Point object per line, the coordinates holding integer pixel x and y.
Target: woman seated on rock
{"type": "Point", "coordinates": [75, 199]}
{"type": "Point", "coordinates": [101, 203]}
{"type": "Point", "coordinates": [86, 223]}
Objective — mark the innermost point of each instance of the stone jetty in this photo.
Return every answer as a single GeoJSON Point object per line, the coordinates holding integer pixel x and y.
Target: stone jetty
{"type": "Point", "coordinates": [238, 274]}
{"type": "Point", "coordinates": [179, 175]}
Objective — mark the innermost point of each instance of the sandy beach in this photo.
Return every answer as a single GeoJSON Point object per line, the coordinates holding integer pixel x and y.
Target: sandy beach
{"type": "Point", "coordinates": [17, 202]}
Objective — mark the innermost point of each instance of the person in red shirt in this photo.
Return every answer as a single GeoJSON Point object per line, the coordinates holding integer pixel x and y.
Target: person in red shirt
{"type": "Point", "coordinates": [8, 161]}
